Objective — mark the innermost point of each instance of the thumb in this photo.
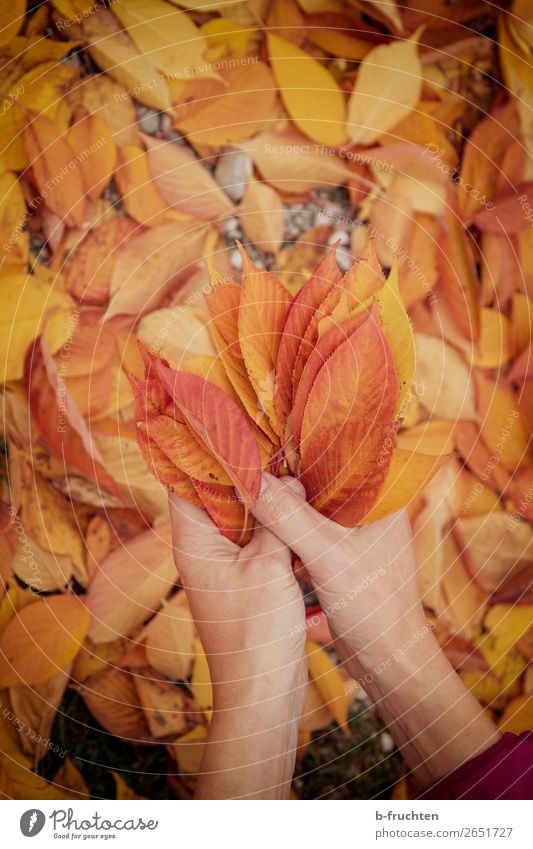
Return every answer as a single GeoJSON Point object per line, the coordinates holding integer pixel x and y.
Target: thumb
{"type": "Point", "coordinates": [281, 507]}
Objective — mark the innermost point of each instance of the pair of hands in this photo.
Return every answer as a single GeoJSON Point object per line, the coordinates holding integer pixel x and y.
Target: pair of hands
{"type": "Point", "coordinates": [250, 616]}
{"type": "Point", "coordinates": [248, 606]}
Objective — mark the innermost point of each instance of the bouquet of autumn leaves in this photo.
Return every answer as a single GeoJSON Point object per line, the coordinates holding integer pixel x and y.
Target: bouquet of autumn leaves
{"type": "Point", "coordinates": [312, 385]}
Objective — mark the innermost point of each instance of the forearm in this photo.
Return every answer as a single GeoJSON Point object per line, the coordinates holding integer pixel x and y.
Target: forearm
{"type": "Point", "coordinates": [251, 747]}
{"type": "Point", "coordinates": [436, 723]}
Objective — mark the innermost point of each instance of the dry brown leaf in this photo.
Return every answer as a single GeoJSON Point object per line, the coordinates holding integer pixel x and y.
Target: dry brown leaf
{"type": "Point", "coordinates": [113, 701]}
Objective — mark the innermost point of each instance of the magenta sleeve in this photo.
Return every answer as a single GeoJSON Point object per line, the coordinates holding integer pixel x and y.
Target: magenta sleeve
{"type": "Point", "coordinates": [504, 771]}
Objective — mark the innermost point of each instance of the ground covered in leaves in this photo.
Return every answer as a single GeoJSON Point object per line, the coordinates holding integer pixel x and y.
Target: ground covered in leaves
{"type": "Point", "coordinates": [140, 140]}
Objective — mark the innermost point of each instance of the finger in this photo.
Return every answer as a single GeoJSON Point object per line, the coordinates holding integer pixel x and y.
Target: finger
{"type": "Point", "coordinates": [195, 536]}
{"type": "Point", "coordinates": [282, 509]}
{"type": "Point", "coordinates": [265, 543]}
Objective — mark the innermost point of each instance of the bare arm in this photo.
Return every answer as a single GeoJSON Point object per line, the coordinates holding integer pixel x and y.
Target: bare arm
{"type": "Point", "coordinates": [250, 617]}
{"type": "Point", "coordinates": [366, 581]}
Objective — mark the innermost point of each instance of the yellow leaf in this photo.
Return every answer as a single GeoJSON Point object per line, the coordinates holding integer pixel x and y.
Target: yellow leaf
{"type": "Point", "coordinates": [11, 17]}
{"type": "Point", "coordinates": [169, 640]}
{"type": "Point", "coordinates": [167, 36]}
{"type": "Point", "coordinates": [329, 682]}
{"type": "Point", "coordinates": [387, 88]}
{"type": "Point", "coordinates": [261, 216]}
{"type": "Point", "coordinates": [70, 779]}
{"type": "Point", "coordinates": [518, 75]}
{"type": "Point", "coordinates": [43, 90]}
{"type": "Point", "coordinates": [43, 638]}
{"type": "Point", "coordinates": [501, 426]}
{"type": "Point", "coordinates": [8, 607]}
{"type": "Point", "coordinates": [206, 5]}
{"type": "Point", "coordinates": [201, 680]}
{"type": "Point", "coordinates": [443, 380]}
{"type": "Point", "coordinates": [188, 749]}
{"type": "Point", "coordinates": [25, 303]}
{"type": "Point", "coordinates": [114, 52]}
{"type": "Point", "coordinates": [398, 331]}
{"type": "Point", "coordinates": [387, 9]}
{"type": "Point", "coordinates": [522, 323]}
{"type": "Point", "coordinates": [493, 345]}
{"type": "Point", "coordinates": [222, 31]}
{"type": "Point", "coordinates": [139, 195]}
{"type": "Point", "coordinates": [92, 134]}
{"type": "Point", "coordinates": [431, 437]}
{"type": "Point", "coordinates": [310, 93]}
{"type": "Point", "coordinates": [408, 474]}
{"type": "Point", "coordinates": [122, 789]}
{"type": "Point", "coordinates": [517, 716]}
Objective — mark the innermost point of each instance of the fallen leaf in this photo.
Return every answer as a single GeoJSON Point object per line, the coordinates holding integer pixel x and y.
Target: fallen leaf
{"type": "Point", "coordinates": [129, 585]}
{"type": "Point", "coordinates": [327, 679]}
{"type": "Point", "coordinates": [261, 216]}
{"type": "Point", "coordinates": [387, 87]}
{"type": "Point", "coordinates": [183, 183]}
{"type": "Point", "coordinates": [42, 639]}
{"type": "Point", "coordinates": [310, 93]}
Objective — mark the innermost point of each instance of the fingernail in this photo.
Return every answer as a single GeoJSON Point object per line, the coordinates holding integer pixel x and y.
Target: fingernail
{"type": "Point", "coordinates": [265, 483]}
{"type": "Point", "coordinates": [296, 486]}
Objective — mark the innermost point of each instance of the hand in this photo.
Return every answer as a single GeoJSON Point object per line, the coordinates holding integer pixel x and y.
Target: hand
{"type": "Point", "coordinates": [365, 579]}
{"type": "Point", "coordinates": [250, 617]}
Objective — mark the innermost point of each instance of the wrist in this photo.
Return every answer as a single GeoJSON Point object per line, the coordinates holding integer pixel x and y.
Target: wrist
{"type": "Point", "coordinates": [261, 690]}
{"type": "Point", "coordinates": [397, 655]}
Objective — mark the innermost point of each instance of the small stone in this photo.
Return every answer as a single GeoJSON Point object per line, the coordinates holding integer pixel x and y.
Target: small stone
{"type": "Point", "coordinates": [235, 259]}
{"type": "Point", "coordinates": [148, 121]}
{"type": "Point", "coordinates": [165, 123]}
{"type": "Point", "coordinates": [339, 236]}
{"type": "Point", "coordinates": [232, 172]}
{"type": "Point", "coordinates": [387, 743]}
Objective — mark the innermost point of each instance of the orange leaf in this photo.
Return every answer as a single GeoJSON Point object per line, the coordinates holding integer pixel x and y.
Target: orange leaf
{"type": "Point", "coordinates": [58, 419]}
{"type": "Point", "coordinates": [226, 511]}
{"type": "Point", "coordinates": [113, 701]}
{"type": "Point", "coordinates": [184, 183]}
{"type": "Point", "coordinates": [261, 216]}
{"type": "Point", "coordinates": [56, 168]}
{"type": "Point", "coordinates": [501, 425]}
{"type": "Point", "coordinates": [129, 584]}
{"type": "Point", "coordinates": [42, 639]}
{"type": "Point", "coordinates": [223, 305]}
{"type": "Point", "coordinates": [92, 134]}
{"type": "Point", "coordinates": [134, 181]}
{"type": "Point", "coordinates": [222, 112]}
{"type": "Point", "coordinates": [323, 350]}
{"type": "Point", "coordinates": [299, 317]}
{"type": "Point", "coordinates": [183, 449]}
{"type": "Point", "coordinates": [90, 272]}
{"type": "Point", "coordinates": [458, 273]}
{"type": "Point", "coordinates": [347, 442]}
{"type": "Point", "coordinates": [146, 266]}
{"type": "Point", "coordinates": [262, 313]}
{"type": "Point", "coordinates": [221, 425]}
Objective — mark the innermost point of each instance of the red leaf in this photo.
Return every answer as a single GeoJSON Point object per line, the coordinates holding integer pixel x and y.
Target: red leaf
{"type": "Point", "coordinates": [299, 317]}
{"type": "Point", "coordinates": [347, 430]}
{"type": "Point", "coordinates": [221, 425]}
